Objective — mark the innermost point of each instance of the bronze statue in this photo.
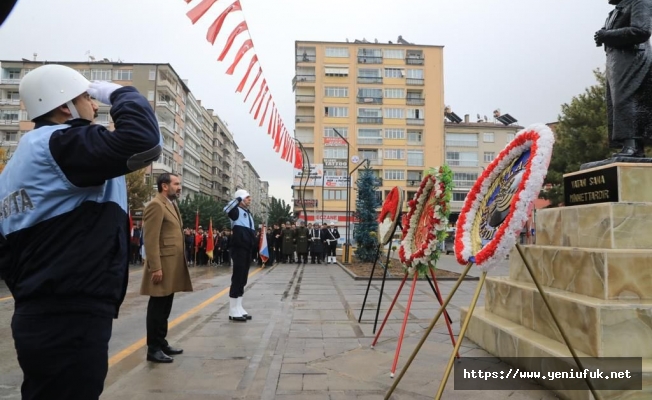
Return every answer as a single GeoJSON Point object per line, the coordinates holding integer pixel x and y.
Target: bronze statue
{"type": "Point", "coordinates": [625, 37]}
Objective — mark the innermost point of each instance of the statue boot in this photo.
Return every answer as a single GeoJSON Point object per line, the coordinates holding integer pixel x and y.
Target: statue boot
{"type": "Point", "coordinates": [631, 148]}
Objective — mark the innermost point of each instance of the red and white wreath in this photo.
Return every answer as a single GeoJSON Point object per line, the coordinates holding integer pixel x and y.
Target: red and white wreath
{"type": "Point", "coordinates": [389, 215]}
{"type": "Point", "coordinates": [469, 246]}
{"type": "Point", "coordinates": [427, 220]}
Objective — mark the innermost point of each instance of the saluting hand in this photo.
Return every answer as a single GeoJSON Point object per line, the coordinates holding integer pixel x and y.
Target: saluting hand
{"type": "Point", "coordinates": [157, 276]}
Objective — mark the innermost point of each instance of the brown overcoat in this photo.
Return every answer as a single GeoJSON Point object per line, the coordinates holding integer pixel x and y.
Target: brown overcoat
{"type": "Point", "coordinates": [164, 249]}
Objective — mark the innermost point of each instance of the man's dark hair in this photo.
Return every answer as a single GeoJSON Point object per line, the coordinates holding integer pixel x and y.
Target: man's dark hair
{"type": "Point", "coordinates": [164, 178]}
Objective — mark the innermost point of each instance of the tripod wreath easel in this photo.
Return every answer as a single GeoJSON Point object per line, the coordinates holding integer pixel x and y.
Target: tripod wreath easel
{"type": "Point", "coordinates": [494, 213]}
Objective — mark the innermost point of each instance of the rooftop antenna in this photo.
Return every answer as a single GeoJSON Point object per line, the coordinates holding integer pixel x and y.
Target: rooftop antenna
{"type": "Point", "coordinates": [35, 54]}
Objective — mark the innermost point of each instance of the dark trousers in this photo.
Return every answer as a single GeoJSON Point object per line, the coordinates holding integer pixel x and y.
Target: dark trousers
{"type": "Point", "coordinates": [189, 255]}
{"type": "Point", "coordinates": [304, 257]}
{"type": "Point", "coordinates": [279, 254]}
{"type": "Point", "coordinates": [332, 249]}
{"type": "Point", "coordinates": [315, 256]}
{"type": "Point", "coordinates": [241, 262]}
{"type": "Point", "coordinates": [64, 356]}
{"type": "Point", "coordinates": [158, 312]}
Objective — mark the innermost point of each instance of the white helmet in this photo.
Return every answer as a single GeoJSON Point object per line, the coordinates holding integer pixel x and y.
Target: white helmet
{"type": "Point", "coordinates": [50, 86]}
{"type": "Point", "coordinates": [241, 193]}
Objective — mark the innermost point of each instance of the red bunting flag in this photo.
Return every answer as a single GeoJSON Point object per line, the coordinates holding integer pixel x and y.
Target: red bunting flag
{"type": "Point", "coordinates": [210, 244]}
{"type": "Point", "coordinates": [271, 119]}
{"type": "Point", "coordinates": [262, 120]}
{"type": "Point", "coordinates": [216, 26]}
{"type": "Point", "coordinates": [253, 61]}
{"type": "Point", "coordinates": [298, 159]}
{"type": "Point", "coordinates": [260, 71]}
{"type": "Point", "coordinates": [246, 46]}
{"type": "Point", "coordinates": [260, 104]}
{"type": "Point", "coordinates": [199, 10]}
{"type": "Point", "coordinates": [242, 26]}
{"type": "Point", "coordinates": [263, 84]}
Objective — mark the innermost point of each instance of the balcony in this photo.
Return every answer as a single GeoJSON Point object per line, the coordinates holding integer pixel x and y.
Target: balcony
{"type": "Point", "coordinates": [305, 119]}
{"type": "Point", "coordinates": [168, 105]}
{"type": "Point", "coordinates": [9, 102]}
{"type": "Point", "coordinates": [415, 121]}
{"type": "Point", "coordinates": [370, 100]}
{"type": "Point", "coordinates": [463, 184]}
{"type": "Point", "coordinates": [303, 78]}
{"type": "Point", "coordinates": [9, 81]}
{"type": "Point", "coordinates": [414, 82]}
{"type": "Point", "coordinates": [414, 60]}
{"type": "Point", "coordinates": [462, 163]}
{"type": "Point", "coordinates": [305, 98]}
{"type": "Point", "coordinates": [166, 125]}
{"type": "Point", "coordinates": [9, 122]}
{"type": "Point", "coordinates": [307, 58]}
{"type": "Point", "coordinates": [370, 79]}
{"type": "Point", "coordinates": [413, 183]}
{"type": "Point", "coordinates": [160, 168]}
{"type": "Point", "coordinates": [370, 120]}
{"type": "Point", "coordinates": [415, 101]}
{"type": "Point", "coordinates": [461, 143]}
{"type": "Point", "coordinates": [369, 60]}
{"type": "Point", "coordinates": [372, 141]}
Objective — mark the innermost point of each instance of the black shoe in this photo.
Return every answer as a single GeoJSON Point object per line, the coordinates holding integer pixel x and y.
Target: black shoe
{"type": "Point", "coordinates": [247, 316]}
{"type": "Point", "coordinates": [159, 357]}
{"type": "Point", "coordinates": [171, 351]}
{"type": "Point", "coordinates": [238, 319]}
{"type": "Point", "coordinates": [631, 148]}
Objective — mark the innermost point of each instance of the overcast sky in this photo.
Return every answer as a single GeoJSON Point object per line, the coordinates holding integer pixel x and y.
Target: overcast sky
{"type": "Point", "coordinates": [526, 57]}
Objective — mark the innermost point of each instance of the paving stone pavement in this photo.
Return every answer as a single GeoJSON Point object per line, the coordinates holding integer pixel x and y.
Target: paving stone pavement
{"type": "Point", "coordinates": [305, 343]}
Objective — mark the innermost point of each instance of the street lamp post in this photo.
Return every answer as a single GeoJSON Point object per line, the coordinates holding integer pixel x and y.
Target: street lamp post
{"type": "Point", "coordinates": [347, 243]}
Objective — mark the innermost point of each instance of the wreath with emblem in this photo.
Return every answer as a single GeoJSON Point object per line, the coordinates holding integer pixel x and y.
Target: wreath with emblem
{"type": "Point", "coordinates": [389, 215]}
{"type": "Point", "coordinates": [426, 221]}
{"type": "Point", "coordinates": [501, 200]}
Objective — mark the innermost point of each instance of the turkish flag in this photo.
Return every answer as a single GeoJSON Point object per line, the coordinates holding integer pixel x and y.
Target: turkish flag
{"type": "Point", "coordinates": [260, 104]}
{"type": "Point", "coordinates": [242, 26]}
{"type": "Point", "coordinates": [298, 158]}
{"type": "Point", "coordinates": [244, 79]}
{"type": "Point", "coordinates": [216, 26]}
{"type": "Point", "coordinates": [197, 235]}
{"type": "Point", "coordinates": [263, 84]}
{"type": "Point", "coordinates": [246, 46]}
{"type": "Point", "coordinates": [262, 120]}
{"type": "Point", "coordinates": [271, 119]}
{"type": "Point", "coordinates": [199, 10]}
{"type": "Point", "coordinates": [260, 71]}
{"type": "Point", "coordinates": [210, 244]}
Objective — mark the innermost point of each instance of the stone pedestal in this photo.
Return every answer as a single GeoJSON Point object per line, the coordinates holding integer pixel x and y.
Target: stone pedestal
{"type": "Point", "coordinates": [595, 263]}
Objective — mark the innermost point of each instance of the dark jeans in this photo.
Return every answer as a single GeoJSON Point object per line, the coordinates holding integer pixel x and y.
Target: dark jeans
{"type": "Point", "coordinates": [241, 262]}
{"type": "Point", "coordinates": [304, 257]}
{"type": "Point", "coordinates": [158, 312]}
{"type": "Point", "coordinates": [63, 356]}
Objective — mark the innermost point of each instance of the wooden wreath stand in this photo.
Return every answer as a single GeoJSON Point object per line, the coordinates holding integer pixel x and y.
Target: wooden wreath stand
{"type": "Point", "coordinates": [465, 325]}
{"type": "Point", "coordinates": [435, 288]}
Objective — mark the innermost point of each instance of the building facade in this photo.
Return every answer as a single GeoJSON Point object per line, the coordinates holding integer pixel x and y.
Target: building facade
{"type": "Point", "coordinates": [197, 144]}
{"type": "Point", "coordinates": [384, 99]}
{"type": "Point", "coordinates": [470, 148]}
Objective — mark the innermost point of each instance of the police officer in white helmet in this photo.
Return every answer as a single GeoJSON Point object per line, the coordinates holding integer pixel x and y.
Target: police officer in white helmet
{"type": "Point", "coordinates": [242, 244]}
{"type": "Point", "coordinates": [64, 242]}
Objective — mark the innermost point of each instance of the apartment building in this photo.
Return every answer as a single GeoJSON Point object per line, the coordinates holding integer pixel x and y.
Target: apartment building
{"type": "Point", "coordinates": [197, 145]}
{"type": "Point", "coordinates": [384, 99]}
{"type": "Point", "coordinates": [471, 146]}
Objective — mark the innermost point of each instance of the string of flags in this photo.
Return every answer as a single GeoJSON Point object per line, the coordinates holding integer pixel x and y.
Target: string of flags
{"type": "Point", "coordinates": [283, 141]}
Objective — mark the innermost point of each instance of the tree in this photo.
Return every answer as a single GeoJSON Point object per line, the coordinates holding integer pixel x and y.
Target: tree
{"type": "Point", "coordinates": [139, 191]}
{"type": "Point", "coordinates": [278, 212]}
{"type": "Point", "coordinates": [367, 225]}
{"type": "Point", "coordinates": [580, 137]}
{"type": "Point", "coordinates": [208, 208]}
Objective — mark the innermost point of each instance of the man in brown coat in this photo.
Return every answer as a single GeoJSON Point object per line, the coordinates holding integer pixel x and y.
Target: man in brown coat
{"type": "Point", "coordinates": [165, 271]}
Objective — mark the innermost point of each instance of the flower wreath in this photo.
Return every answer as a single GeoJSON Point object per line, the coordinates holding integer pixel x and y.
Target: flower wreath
{"type": "Point", "coordinates": [499, 204]}
{"type": "Point", "coordinates": [426, 221]}
{"type": "Point", "coordinates": [389, 215]}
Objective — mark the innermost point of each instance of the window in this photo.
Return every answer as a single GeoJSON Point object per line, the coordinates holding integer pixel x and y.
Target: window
{"type": "Point", "coordinates": [394, 133]}
{"type": "Point", "coordinates": [337, 71]}
{"type": "Point", "coordinates": [330, 194]}
{"type": "Point", "coordinates": [100, 74]}
{"type": "Point", "coordinates": [462, 159]}
{"type": "Point", "coordinates": [336, 92]}
{"type": "Point", "coordinates": [86, 73]}
{"type": "Point", "coordinates": [369, 73]}
{"type": "Point", "coordinates": [414, 137]}
{"type": "Point", "coordinates": [394, 73]}
{"type": "Point", "coordinates": [334, 172]}
{"type": "Point", "coordinates": [370, 154]}
{"type": "Point", "coordinates": [488, 137]}
{"type": "Point", "coordinates": [329, 132]}
{"type": "Point", "coordinates": [394, 154]}
{"type": "Point", "coordinates": [394, 54]}
{"type": "Point", "coordinates": [370, 112]}
{"type": "Point", "coordinates": [122, 74]}
{"type": "Point", "coordinates": [394, 93]}
{"type": "Point", "coordinates": [489, 156]}
{"type": "Point", "coordinates": [415, 158]}
{"type": "Point", "coordinates": [510, 137]}
{"type": "Point", "coordinates": [337, 52]}
{"type": "Point", "coordinates": [415, 74]}
{"type": "Point", "coordinates": [415, 113]}
{"type": "Point", "coordinates": [336, 112]}
{"type": "Point", "coordinates": [462, 140]}
{"type": "Point", "coordinates": [102, 118]}
{"type": "Point", "coordinates": [464, 179]}
{"type": "Point", "coordinates": [394, 175]}
{"type": "Point", "coordinates": [414, 176]}
{"type": "Point", "coordinates": [11, 136]}
{"type": "Point", "coordinates": [370, 136]}
{"type": "Point", "coordinates": [370, 93]}
{"type": "Point", "coordinates": [9, 115]}
{"type": "Point", "coordinates": [150, 95]}
{"type": "Point", "coordinates": [12, 73]}
{"type": "Point", "coordinates": [335, 152]}
{"type": "Point", "coordinates": [457, 196]}
{"type": "Point", "coordinates": [152, 74]}
{"type": "Point", "coordinates": [395, 113]}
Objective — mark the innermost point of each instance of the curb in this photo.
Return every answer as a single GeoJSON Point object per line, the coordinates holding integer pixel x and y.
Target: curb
{"type": "Point", "coordinates": [364, 278]}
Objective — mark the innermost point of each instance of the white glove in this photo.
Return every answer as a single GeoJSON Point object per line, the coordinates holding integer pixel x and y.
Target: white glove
{"type": "Point", "coordinates": [102, 90]}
